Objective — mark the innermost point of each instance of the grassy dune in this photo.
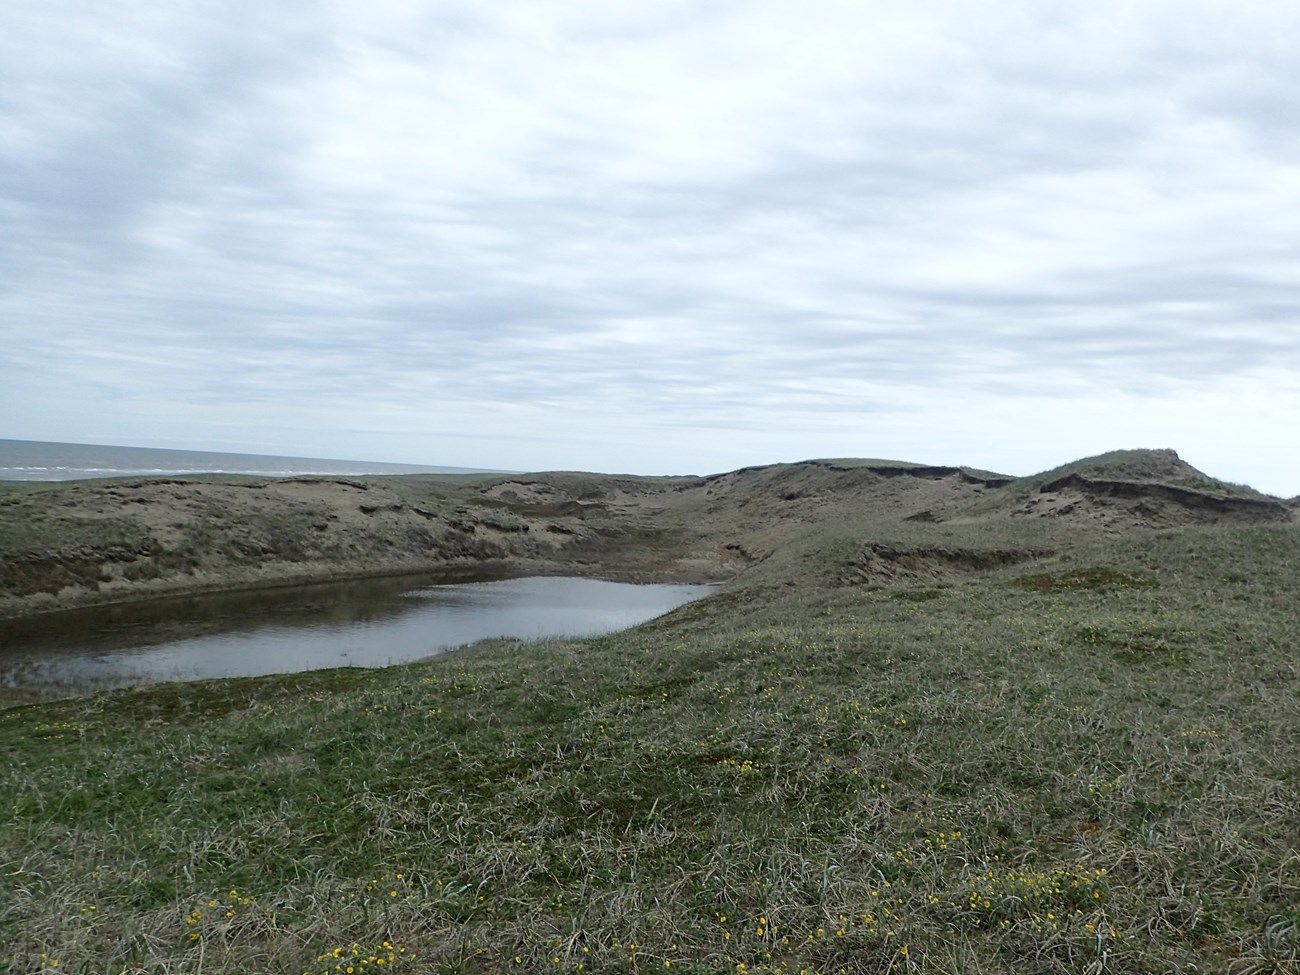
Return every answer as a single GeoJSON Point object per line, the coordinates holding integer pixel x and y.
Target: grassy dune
{"type": "Point", "coordinates": [1084, 761]}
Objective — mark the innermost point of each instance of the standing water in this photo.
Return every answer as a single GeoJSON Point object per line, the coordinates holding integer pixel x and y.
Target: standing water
{"type": "Point", "coordinates": [367, 623]}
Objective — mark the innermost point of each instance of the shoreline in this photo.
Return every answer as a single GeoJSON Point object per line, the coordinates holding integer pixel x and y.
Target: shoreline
{"type": "Point", "coordinates": [50, 604]}
{"type": "Point", "coordinates": [65, 545]}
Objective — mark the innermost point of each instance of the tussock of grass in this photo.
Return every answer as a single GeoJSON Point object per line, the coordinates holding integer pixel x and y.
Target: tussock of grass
{"type": "Point", "coordinates": [1098, 577]}
{"type": "Point", "coordinates": [1085, 766]}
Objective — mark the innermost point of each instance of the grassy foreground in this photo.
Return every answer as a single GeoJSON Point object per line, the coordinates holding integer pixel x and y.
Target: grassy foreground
{"type": "Point", "coordinates": [1087, 763]}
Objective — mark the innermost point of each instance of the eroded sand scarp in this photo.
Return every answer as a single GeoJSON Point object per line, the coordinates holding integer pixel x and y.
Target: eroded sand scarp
{"type": "Point", "coordinates": [85, 542]}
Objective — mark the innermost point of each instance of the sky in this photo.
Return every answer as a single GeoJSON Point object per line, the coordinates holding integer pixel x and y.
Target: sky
{"type": "Point", "coordinates": [657, 237]}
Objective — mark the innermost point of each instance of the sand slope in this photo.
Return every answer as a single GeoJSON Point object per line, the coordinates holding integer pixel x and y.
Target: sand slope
{"type": "Point", "coordinates": [77, 543]}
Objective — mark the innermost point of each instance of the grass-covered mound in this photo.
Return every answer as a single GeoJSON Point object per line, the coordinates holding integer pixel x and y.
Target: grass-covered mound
{"type": "Point", "coordinates": [1084, 762]}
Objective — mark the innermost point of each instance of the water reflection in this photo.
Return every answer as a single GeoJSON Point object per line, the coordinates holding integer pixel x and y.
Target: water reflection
{"type": "Point", "coordinates": [362, 623]}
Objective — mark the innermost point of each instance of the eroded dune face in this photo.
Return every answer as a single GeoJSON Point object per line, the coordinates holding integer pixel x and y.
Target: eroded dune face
{"type": "Point", "coordinates": [100, 541]}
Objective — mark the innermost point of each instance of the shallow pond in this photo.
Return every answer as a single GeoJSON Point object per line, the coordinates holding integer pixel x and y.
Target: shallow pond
{"type": "Point", "coordinates": [366, 623]}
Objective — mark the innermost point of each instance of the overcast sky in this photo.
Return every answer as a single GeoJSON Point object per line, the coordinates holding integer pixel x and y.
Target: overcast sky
{"type": "Point", "coordinates": [655, 237]}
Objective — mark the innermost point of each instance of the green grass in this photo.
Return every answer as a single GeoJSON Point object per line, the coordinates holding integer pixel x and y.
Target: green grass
{"type": "Point", "coordinates": [1082, 764]}
{"type": "Point", "coordinates": [1161, 467]}
{"type": "Point", "coordinates": [30, 525]}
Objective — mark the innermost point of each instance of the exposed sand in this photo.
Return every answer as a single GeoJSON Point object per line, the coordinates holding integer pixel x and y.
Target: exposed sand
{"type": "Point", "coordinates": [88, 542]}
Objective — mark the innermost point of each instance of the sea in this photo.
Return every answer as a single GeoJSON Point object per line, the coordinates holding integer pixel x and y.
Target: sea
{"type": "Point", "coordinates": [39, 460]}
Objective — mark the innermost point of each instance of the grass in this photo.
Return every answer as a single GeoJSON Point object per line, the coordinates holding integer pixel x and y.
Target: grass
{"type": "Point", "coordinates": [1161, 467]}
{"type": "Point", "coordinates": [1086, 763]}
{"type": "Point", "coordinates": [28, 524]}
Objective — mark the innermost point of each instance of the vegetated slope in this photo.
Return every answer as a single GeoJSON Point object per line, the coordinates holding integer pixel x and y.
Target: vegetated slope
{"type": "Point", "coordinates": [1081, 764]}
{"type": "Point", "coordinates": [71, 544]}
{"type": "Point", "coordinates": [1136, 489]}
{"type": "Point", "coordinates": [900, 523]}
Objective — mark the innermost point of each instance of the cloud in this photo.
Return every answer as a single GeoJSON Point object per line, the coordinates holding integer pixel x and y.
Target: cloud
{"type": "Point", "coordinates": [562, 229]}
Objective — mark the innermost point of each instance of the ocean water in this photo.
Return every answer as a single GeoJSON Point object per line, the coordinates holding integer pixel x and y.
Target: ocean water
{"type": "Point", "coordinates": [38, 460]}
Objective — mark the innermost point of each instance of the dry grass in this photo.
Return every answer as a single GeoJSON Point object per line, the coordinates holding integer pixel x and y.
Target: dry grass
{"type": "Point", "coordinates": [1084, 764]}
